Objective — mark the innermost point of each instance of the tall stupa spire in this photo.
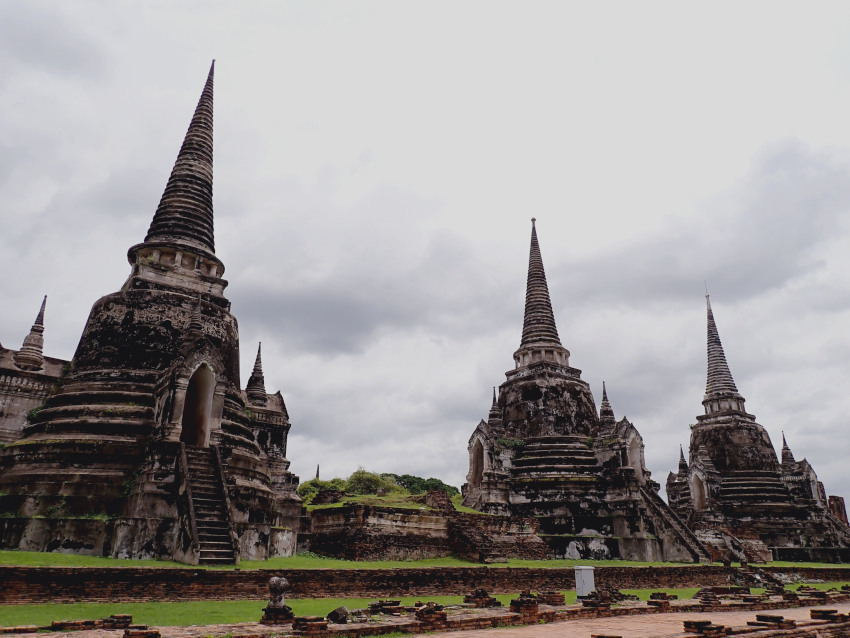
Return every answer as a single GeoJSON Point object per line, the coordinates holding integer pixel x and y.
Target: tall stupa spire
{"type": "Point", "coordinates": [721, 393]}
{"type": "Point", "coordinates": [256, 388]}
{"type": "Point", "coordinates": [31, 354]}
{"type": "Point", "coordinates": [185, 212]}
{"type": "Point", "coordinates": [539, 324]}
{"type": "Point", "coordinates": [540, 341]}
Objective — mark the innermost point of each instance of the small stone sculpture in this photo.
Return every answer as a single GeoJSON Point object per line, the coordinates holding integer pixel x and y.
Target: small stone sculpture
{"type": "Point", "coordinates": [277, 612]}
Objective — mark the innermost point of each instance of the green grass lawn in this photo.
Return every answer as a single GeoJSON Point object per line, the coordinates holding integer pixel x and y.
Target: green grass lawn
{"type": "Point", "coordinates": [312, 561]}
{"type": "Point", "coordinates": [227, 611]}
{"type": "Point", "coordinates": [302, 561]}
{"type": "Point", "coordinates": [821, 586]}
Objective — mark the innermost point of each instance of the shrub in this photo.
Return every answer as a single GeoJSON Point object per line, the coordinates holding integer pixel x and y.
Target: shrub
{"type": "Point", "coordinates": [309, 489]}
{"type": "Point", "coordinates": [363, 482]}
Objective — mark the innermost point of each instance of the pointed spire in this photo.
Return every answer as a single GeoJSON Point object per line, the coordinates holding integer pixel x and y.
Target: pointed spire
{"type": "Point", "coordinates": [185, 212]}
{"type": "Point", "coordinates": [256, 388]}
{"type": "Point", "coordinates": [539, 324]}
{"type": "Point", "coordinates": [31, 354]}
{"type": "Point", "coordinates": [606, 412]}
{"type": "Point", "coordinates": [719, 383]}
{"type": "Point", "coordinates": [683, 464]}
{"type": "Point", "coordinates": [495, 412]}
{"type": "Point", "coordinates": [787, 456]}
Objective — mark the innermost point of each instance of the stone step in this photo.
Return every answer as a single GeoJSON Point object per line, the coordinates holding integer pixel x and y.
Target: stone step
{"type": "Point", "coordinates": [205, 518]}
{"type": "Point", "coordinates": [128, 428]}
{"type": "Point", "coordinates": [202, 518]}
{"type": "Point", "coordinates": [198, 457]}
{"type": "Point", "coordinates": [211, 482]}
{"type": "Point", "coordinates": [223, 537]}
{"type": "Point", "coordinates": [209, 552]}
{"type": "Point", "coordinates": [217, 561]}
{"type": "Point", "coordinates": [216, 549]}
{"type": "Point", "coordinates": [568, 452]}
{"type": "Point", "coordinates": [220, 534]}
{"type": "Point", "coordinates": [138, 386]}
{"type": "Point", "coordinates": [205, 482]}
{"type": "Point", "coordinates": [550, 470]}
{"type": "Point", "coordinates": [555, 461]}
{"type": "Point", "coordinates": [99, 396]}
{"type": "Point", "coordinates": [207, 502]}
{"type": "Point", "coordinates": [746, 492]}
{"type": "Point", "coordinates": [206, 490]}
{"type": "Point", "coordinates": [201, 469]}
{"type": "Point", "coordinates": [219, 558]}
{"type": "Point", "coordinates": [99, 410]}
{"type": "Point", "coordinates": [572, 448]}
{"type": "Point", "coordinates": [213, 525]}
{"type": "Point", "coordinates": [556, 438]}
{"type": "Point", "coordinates": [207, 474]}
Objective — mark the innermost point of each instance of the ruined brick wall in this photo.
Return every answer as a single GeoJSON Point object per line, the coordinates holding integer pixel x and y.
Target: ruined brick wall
{"type": "Point", "coordinates": [365, 532]}
{"type": "Point", "coordinates": [22, 391]}
{"type": "Point", "coordinates": [68, 584]}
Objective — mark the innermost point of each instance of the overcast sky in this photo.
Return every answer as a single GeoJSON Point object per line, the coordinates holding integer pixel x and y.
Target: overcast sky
{"type": "Point", "coordinates": [376, 166]}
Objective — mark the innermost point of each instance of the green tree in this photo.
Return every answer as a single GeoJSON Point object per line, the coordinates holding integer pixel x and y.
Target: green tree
{"type": "Point", "coordinates": [418, 485]}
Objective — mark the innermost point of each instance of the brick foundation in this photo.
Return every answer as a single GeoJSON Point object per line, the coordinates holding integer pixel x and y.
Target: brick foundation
{"type": "Point", "coordinates": [67, 584]}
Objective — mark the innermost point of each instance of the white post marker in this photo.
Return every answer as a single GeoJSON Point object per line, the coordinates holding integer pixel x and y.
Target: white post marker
{"type": "Point", "coordinates": [584, 581]}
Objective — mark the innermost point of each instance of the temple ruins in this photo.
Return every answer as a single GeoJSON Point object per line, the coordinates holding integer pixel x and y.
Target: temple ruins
{"type": "Point", "coordinates": [144, 445]}
{"type": "Point", "coordinates": [734, 492]}
{"type": "Point", "coordinates": [544, 452]}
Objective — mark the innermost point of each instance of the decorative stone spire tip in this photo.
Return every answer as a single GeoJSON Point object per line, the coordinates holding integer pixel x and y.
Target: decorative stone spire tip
{"type": "Point", "coordinates": [31, 355]}
{"type": "Point", "coordinates": [719, 383]}
{"type": "Point", "coordinates": [256, 388]}
{"type": "Point", "coordinates": [606, 412]}
{"type": "Point", "coordinates": [539, 322]}
{"type": "Point", "coordinates": [185, 212]}
{"type": "Point", "coordinates": [39, 319]}
{"type": "Point", "coordinates": [683, 464]}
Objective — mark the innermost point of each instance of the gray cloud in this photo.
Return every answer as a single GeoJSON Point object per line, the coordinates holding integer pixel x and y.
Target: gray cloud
{"type": "Point", "coordinates": [754, 240]}
{"type": "Point", "coordinates": [34, 38]}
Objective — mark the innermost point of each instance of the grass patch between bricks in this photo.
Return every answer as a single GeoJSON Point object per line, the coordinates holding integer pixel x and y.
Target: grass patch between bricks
{"type": "Point", "coordinates": [163, 614]}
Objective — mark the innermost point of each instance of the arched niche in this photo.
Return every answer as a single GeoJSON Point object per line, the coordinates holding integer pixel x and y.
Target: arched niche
{"type": "Point", "coordinates": [197, 408]}
{"type": "Point", "coordinates": [698, 492]}
{"type": "Point", "coordinates": [635, 458]}
{"type": "Point", "coordinates": [477, 463]}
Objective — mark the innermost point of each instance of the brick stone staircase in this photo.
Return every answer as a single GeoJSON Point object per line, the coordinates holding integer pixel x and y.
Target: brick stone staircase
{"type": "Point", "coordinates": [699, 552]}
{"type": "Point", "coordinates": [754, 487]}
{"type": "Point", "coordinates": [555, 457]}
{"type": "Point", "coordinates": [214, 540]}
